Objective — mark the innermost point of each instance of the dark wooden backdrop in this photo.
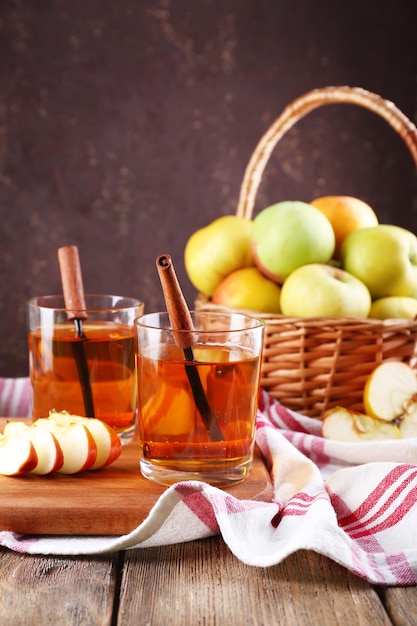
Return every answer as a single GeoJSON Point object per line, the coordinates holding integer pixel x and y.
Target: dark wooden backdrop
{"type": "Point", "coordinates": [125, 126]}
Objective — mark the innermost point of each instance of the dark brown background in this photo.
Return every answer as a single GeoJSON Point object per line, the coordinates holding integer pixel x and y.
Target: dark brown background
{"type": "Point", "coordinates": [125, 126]}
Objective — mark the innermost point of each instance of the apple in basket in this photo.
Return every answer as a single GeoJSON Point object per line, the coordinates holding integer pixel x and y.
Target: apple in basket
{"type": "Point", "coordinates": [384, 257]}
{"type": "Point", "coordinates": [394, 307]}
{"type": "Point", "coordinates": [214, 251]}
{"type": "Point", "coordinates": [288, 235]}
{"type": "Point", "coordinates": [346, 214]}
{"type": "Point", "coordinates": [247, 288]}
{"type": "Point", "coordinates": [317, 290]}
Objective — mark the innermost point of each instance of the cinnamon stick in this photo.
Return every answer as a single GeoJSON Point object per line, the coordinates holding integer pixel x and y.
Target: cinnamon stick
{"type": "Point", "coordinates": [181, 320]}
{"type": "Point", "coordinates": [72, 282]}
{"type": "Point", "coordinates": [73, 290]}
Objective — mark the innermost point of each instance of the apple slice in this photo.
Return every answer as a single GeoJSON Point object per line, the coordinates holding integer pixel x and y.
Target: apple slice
{"type": "Point", "coordinates": [17, 455]}
{"type": "Point", "coordinates": [391, 391]}
{"type": "Point", "coordinates": [408, 425]}
{"type": "Point", "coordinates": [50, 456]}
{"type": "Point", "coordinates": [109, 446]}
{"type": "Point", "coordinates": [76, 442]}
{"type": "Point", "coordinates": [342, 424]}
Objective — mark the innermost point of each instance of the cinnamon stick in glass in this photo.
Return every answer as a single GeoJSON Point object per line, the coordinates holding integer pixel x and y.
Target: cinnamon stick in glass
{"type": "Point", "coordinates": [181, 319]}
{"type": "Point", "coordinates": [72, 286]}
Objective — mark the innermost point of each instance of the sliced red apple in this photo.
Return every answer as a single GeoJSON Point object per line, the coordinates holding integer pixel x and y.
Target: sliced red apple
{"type": "Point", "coordinates": [391, 391]}
{"type": "Point", "coordinates": [109, 446]}
{"type": "Point", "coordinates": [77, 443]}
{"type": "Point", "coordinates": [17, 455]}
{"type": "Point", "coordinates": [341, 424]}
{"type": "Point", "coordinates": [48, 450]}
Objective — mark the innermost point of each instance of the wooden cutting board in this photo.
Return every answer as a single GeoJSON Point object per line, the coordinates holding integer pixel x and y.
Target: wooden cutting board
{"type": "Point", "coordinates": [112, 501]}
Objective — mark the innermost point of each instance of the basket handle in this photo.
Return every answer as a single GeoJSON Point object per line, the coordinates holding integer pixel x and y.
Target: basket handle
{"type": "Point", "coordinates": [298, 109]}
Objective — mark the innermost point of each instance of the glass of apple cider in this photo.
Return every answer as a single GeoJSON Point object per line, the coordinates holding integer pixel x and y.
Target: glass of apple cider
{"type": "Point", "coordinates": [197, 406]}
{"type": "Point", "coordinates": [109, 347]}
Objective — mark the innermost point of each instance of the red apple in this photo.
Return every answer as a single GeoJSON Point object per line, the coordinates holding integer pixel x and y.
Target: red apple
{"type": "Point", "coordinates": [109, 446]}
{"type": "Point", "coordinates": [48, 450]}
{"type": "Point", "coordinates": [17, 455]}
{"type": "Point", "coordinates": [76, 441]}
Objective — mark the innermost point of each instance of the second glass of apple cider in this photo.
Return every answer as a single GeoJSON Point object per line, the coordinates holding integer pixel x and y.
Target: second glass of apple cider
{"type": "Point", "coordinates": [109, 347]}
{"type": "Point", "coordinates": [197, 407]}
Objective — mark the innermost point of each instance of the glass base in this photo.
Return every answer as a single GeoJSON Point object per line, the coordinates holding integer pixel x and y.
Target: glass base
{"type": "Point", "coordinates": [127, 436]}
{"type": "Point", "coordinates": [166, 476]}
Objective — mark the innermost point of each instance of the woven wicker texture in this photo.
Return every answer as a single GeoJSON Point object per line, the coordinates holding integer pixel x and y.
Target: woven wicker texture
{"type": "Point", "coordinates": [311, 365]}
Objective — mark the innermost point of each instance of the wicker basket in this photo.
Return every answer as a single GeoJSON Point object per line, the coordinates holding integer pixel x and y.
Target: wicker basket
{"type": "Point", "coordinates": [311, 365]}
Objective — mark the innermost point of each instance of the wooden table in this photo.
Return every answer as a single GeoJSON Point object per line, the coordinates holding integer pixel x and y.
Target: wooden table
{"type": "Point", "coordinates": [196, 583]}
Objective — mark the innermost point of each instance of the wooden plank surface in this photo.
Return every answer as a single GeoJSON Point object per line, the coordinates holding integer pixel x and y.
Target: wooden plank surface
{"type": "Point", "coordinates": [200, 582]}
{"type": "Point", "coordinates": [400, 604]}
{"type": "Point", "coordinates": [111, 501]}
{"type": "Point", "coordinates": [207, 584]}
{"type": "Point", "coordinates": [59, 591]}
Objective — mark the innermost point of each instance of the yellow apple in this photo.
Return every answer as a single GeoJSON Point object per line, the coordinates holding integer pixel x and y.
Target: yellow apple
{"type": "Point", "coordinates": [289, 234]}
{"type": "Point", "coordinates": [394, 307]}
{"type": "Point", "coordinates": [247, 288]}
{"type": "Point", "coordinates": [346, 214]}
{"type": "Point", "coordinates": [214, 251]}
{"type": "Point", "coordinates": [320, 290]}
{"type": "Point", "coordinates": [384, 257]}
{"type": "Point", "coordinates": [341, 424]}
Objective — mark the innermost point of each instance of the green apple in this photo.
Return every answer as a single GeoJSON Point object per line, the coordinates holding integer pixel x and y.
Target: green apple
{"type": "Point", "coordinates": [247, 288]}
{"type": "Point", "coordinates": [289, 234]}
{"type": "Point", "coordinates": [320, 290]}
{"type": "Point", "coordinates": [384, 257]}
{"type": "Point", "coordinates": [214, 251]}
{"type": "Point", "coordinates": [394, 307]}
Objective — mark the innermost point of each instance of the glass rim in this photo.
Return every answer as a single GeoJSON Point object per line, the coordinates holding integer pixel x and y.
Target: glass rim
{"type": "Point", "coordinates": [257, 322]}
{"type": "Point", "coordinates": [129, 303]}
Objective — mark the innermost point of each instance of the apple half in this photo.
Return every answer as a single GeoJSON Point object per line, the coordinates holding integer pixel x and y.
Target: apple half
{"type": "Point", "coordinates": [342, 424]}
{"type": "Point", "coordinates": [390, 394]}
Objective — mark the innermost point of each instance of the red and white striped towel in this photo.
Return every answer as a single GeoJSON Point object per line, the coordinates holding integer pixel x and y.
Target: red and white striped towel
{"type": "Point", "coordinates": [355, 503]}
